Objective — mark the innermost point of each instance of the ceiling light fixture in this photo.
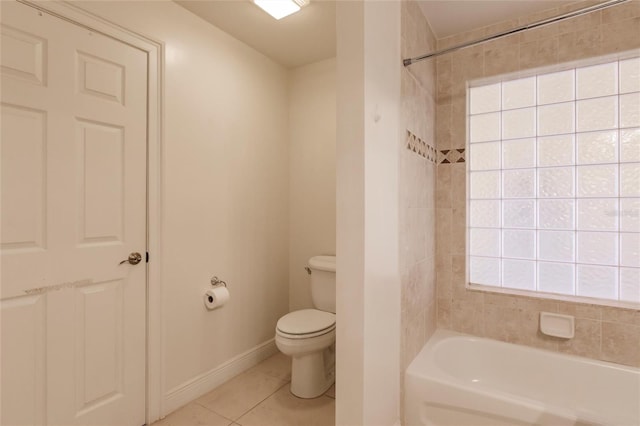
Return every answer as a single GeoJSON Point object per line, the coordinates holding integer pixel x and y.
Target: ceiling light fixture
{"type": "Point", "coordinates": [280, 8]}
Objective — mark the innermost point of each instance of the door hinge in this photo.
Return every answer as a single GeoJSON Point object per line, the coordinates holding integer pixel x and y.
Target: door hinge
{"type": "Point", "coordinates": [147, 257]}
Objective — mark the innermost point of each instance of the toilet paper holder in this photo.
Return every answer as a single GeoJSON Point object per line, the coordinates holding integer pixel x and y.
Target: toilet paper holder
{"type": "Point", "coordinates": [215, 281]}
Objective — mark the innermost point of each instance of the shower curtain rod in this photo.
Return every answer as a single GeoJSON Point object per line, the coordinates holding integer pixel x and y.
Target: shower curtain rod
{"type": "Point", "coordinates": [409, 61]}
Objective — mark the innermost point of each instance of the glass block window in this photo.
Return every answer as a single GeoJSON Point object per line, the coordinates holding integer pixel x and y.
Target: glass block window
{"type": "Point", "coordinates": [554, 182]}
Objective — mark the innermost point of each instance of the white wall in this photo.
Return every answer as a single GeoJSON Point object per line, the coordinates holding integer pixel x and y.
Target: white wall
{"type": "Point", "coordinates": [224, 187]}
{"type": "Point", "coordinates": [368, 299]}
{"type": "Point", "coordinates": [312, 172]}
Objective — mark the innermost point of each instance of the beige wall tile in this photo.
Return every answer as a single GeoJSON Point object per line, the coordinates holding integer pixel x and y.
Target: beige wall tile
{"type": "Point", "coordinates": [621, 315]}
{"type": "Point", "coordinates": [508, 317]}
{"type": "Point", "coordinates": [588, 334]}
{"type": "Point", "coordinates": [622, 12]}
{"type": "Point", "coordinates": [621, 343]}
{"type": "Point", "coordinates": [580, 23]}
{"type": "Point", "coordinates": [443, 126]}
{"type": "Point", "coordinates": [443, 66]}
{"type": "Point", "coordinates": [443, 186]}
{"type": "Point", "coordinates": [620, 36]}
{"type": "Point", "coordinates": [444, 313]}
{"type": "Point", "coordinates": [580, 44]}
{"type": "Point", "coordinates": [501, 59]}
{"type": "Point", "coordinates": [467, 317]}
{"type": "Point", "coordinates": [418, 180]}
{"type": "Point", "coordinates": [580, 310]}
{"type": "Point", "coordinates": [539, 53]}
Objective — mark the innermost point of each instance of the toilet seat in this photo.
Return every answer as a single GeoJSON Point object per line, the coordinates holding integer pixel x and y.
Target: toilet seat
{"type": "Point", "coordinates": [305, 324]}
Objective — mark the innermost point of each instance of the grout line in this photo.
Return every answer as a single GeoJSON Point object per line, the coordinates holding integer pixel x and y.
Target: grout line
{"type": "Point", "coordinates": [211, 410]}
{"type": "Point", "coordinates": [262, 400]}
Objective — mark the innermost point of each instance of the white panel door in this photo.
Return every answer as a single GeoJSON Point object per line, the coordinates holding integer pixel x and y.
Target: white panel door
{"type": "Point", "coordinates": [73, 205]}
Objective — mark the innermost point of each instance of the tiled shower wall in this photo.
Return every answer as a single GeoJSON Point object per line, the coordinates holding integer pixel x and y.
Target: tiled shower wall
{"type": "Point", "coordinates": [417, 179]}
{"type": "Point", "coordinates": [607, 333]}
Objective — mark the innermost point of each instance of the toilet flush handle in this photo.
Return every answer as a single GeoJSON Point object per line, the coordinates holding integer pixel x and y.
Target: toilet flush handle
{"type": "Point", "coordinates": [306, 268]}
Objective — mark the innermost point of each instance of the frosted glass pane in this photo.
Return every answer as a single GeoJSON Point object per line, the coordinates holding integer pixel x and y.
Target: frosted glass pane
{"type": "Point", "coordinates": [555, 182]}
{"type": "Point", "coordinates": [630, 75]}
{"type": "Point", "coordinates": [598, 181]}
{"type": "Point", "coordinates": [484, 242]}
{"type": "Point", "coordinates": [556, 277]}
{"type": "Point", "coordinates": [556, 151]}
{"type": "Point", "coordinates": [519, 244]}
{"type": "Point", "coordinates": [555, 214]}
{"type": "Point", "coordinates": [630, 214]}
{"type": "Point", "coordinates": [599, 214]}
{"type": "Point", "coordinates": [519, 93]}
{"type": "Point", "coordinates": [630, 110]}
{"type": "Point", "coordinates": [518, 153]}
{"type": "Point", "coordinates": [485, 156]}
{"type": "Point", "coordinates": [630, 145]}
{"type": "Point", "coordinates": [630, 249]}
{"type": "Point", "coordinates": [485, 127]}
{"type": "Point", "coordinates": [597, 80]}
{"type": "Point", "coordinates": [598, 147]}
{"type": "Point", "coordinates": [598, 247]}
{"type": "Point", "coordinates": [598, 281]}
{"type": "Point", "coordinates": [483, 270]}
{"type": "Point", "coordinates": [484, 98]}
{"type": "Point", "coordinates": [556, 245]}
{"type": "Point", "coordinates": [630, 180]}
{"type": "Point", "coordinates": [556, 87]}
{"type": "Point", "coordinates": [485, 213]}
{"type": "Point", "coordinates": [518, 213]}
{"type": "Point", "coordinates": [555, 119]}
{"type": "Point", "coordinates": [519, 123]}
{"type": "Point", "coordinates": [519, 183]}
{"type": "Point", "coordinates": [485, 185]}
{"type": "Point", "coordinates": [597, 114]}
{"type": "Point", "coordinates": [630, 284]}
{"type": "Point", "coordinates": [520, 274]}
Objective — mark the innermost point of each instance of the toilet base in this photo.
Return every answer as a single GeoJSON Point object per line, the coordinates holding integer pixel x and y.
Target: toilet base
{"type": "Point", "coordinates": [313, 374]}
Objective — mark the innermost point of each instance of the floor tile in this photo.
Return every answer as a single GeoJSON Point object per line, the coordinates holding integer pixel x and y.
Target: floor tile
{"type": "Point", "coordinates": [284, 409]}
{"type": "Point", "coordinates": [240, 394]}
{"type": "Point", "coordinates": [193, 415]}
{"type": "Point", "coordinates": [278, 365]}
{"type": "Point", "coordinates": [331, 393]}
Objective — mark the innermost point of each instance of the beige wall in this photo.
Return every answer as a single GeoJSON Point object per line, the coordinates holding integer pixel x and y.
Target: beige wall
{"type": "Point", "coordinates": [368, 284]}
{"type": "Point", "coordinates": [417, 179]}
{"type": "Point", "coordinates": [312, 172]}
{"type": "Point", "coordinates": [611, 334]}
{"type": "Point", "coordinates": [224, 187]}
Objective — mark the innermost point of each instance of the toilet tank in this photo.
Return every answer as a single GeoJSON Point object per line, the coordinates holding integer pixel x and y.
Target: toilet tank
{"type": "Point", "coordinates": [323, 282]}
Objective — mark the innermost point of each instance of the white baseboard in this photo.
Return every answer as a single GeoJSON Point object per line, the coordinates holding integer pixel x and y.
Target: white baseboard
{"type": "Point", "coordinates": [205, 382]}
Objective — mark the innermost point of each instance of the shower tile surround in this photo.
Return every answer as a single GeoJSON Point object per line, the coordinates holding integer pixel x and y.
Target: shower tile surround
{"type": "Point", "coordinates": [417, 180]}
{"type": "Point", "coordinates": [602, 332]}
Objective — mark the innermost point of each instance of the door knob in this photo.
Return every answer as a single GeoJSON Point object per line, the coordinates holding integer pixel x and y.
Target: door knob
{"type": "Point", "coordinates": [134, 259]}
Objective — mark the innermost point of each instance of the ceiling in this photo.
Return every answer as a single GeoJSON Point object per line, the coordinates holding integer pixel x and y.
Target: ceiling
{"type": "Point", "coordinates": [310, 35]}
{"type": "Point", "coordinates": [299, 39]}
{"type": "Point", "coordinates": [449, 17]}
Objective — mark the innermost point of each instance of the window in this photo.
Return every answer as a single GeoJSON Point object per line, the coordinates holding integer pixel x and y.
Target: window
{"type": "Point", "coordinates": [554, 182]}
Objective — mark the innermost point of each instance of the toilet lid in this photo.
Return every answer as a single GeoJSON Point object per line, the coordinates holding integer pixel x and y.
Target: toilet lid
{"type": "Point", "coordinates": [306, 321]}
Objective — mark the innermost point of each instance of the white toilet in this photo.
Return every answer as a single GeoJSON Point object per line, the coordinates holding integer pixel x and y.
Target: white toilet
{"type": "Point", "coordinates": [309, 335]}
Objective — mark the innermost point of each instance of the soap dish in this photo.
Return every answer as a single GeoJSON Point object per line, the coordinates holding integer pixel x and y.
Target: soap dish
{"type": "Point", "coordinates": [557, 325]}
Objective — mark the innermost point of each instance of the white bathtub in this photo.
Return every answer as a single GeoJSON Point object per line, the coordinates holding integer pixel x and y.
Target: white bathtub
{"type": "Point", "coordinates": [470, 381]}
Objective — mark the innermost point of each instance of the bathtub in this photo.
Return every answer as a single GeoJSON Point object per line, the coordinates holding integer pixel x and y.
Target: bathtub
{"type": "Point", "coordinates": [470, 381]}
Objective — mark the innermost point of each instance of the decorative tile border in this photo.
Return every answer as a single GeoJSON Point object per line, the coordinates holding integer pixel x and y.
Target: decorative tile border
{"type": "Point", "coordinates": [420, 147]}
{"type": "Point", "coordinates": [447, 156]}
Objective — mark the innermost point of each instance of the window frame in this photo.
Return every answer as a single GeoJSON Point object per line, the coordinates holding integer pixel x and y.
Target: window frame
{"type": "Point", "coordinates": [534, 72]}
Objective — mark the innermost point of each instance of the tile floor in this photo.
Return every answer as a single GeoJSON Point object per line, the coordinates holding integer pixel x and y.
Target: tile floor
{"type": "Point", "coordinates": [258, 397]}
